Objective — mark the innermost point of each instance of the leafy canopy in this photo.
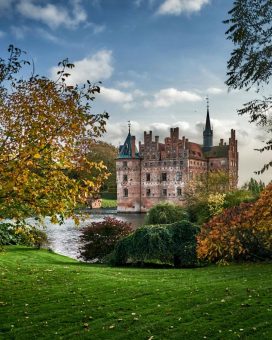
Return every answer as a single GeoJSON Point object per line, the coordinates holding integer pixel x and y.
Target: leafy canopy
{"type": "Point", "coordinates": [250, 64]}
{"type": "Point", "coordinates": [46, 131]}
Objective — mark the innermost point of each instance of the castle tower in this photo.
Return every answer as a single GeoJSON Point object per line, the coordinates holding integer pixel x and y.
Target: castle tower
{"type": "Point", "coordinates": [233, 159]}
{"type": "Point", "coordinates": [128, 170]}
{"type": "Point", "coordinates": [208, 132]}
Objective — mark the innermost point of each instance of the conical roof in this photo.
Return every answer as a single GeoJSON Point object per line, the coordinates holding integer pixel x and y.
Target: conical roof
{"type": "Point", "coordinates": [125, 150]}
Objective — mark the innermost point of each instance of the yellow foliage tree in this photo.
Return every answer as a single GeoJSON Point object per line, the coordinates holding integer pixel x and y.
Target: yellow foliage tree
{"type": "Point", "coordinates": [46, 132]}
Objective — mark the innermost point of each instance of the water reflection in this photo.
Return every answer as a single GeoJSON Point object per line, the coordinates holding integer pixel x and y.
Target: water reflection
{"type": "Point", "coordinates": [64, 239]}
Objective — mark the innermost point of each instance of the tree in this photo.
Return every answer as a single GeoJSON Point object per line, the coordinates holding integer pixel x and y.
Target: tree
{"type": "Point", "coordinates": [100, 151]}
{"type": "Point", "coordinates": [46, 131]}
{"type": "Point", "coordinates": [108, 154]}
{"type": "Point", "coordinates": [204, 195]}
{"type": "Point", "coordinates": [254, 186]}
{"type": "Point", "coordinates": [242, 232]}
{"type": "Point", "coordinates": [250, 64]}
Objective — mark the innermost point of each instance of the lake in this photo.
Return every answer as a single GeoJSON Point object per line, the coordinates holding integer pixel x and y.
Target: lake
{"type": "Point", "coordinates": [64, 239]}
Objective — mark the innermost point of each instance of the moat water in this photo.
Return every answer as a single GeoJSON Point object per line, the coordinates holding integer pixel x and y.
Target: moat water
{"type": "Point", "coordinates": [65, 239]}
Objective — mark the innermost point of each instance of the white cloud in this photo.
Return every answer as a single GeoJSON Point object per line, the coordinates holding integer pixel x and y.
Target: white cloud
{"type": "Point", "coordinates": [52, 15]}
{"type": "Point", "coordinates": [115, 96]}
{"type": "Point", "coordinates": [2, 34]}
{"type": "Point", "coordinates": [171, 96]}
{"type": "Point", "coordinates": [125, 84]}
{"type": "Point", "coordinates": [176, 7]}
{"type": "Point", "coordinates": [93, 68]}
{"type": "Point", "coordinates": [138, 93]}
{"type": "Point", "coordinates": [214, 90]}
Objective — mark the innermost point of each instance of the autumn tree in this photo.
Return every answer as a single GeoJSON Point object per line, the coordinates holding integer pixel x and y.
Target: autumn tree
{"type": "Point", "coordinates": [242, 232]}
{"type": "Point", "coordinates": [205, 194]}
{"type": "Point", "coordinates": [250, 63]}
{"type": "Point", "coordinates": [46, 131]}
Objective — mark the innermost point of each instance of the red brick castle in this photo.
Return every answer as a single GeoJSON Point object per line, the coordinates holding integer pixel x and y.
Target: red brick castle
{"type": "Point", "coordinates": [161, 171]}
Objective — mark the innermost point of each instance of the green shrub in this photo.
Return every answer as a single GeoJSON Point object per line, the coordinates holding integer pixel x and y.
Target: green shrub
{"type": "Point", "coordinates": [234, 198]}
{"type": "Point", "coordinates": [164, 213]}
{"type": "Point", "coordinates": [184, 235]}
{"type": "Point", "coordinates": [173, 244]}
{"type": "Point", "coordinates": [199, 212]}
{"type": "Point", "coordinates": [99, 238]}
{"type": "Point", "coordinates": [21, 234]}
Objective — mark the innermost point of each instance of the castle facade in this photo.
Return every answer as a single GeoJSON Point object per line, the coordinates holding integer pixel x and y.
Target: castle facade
{"type": "Point", "coordinates": [160, 171]}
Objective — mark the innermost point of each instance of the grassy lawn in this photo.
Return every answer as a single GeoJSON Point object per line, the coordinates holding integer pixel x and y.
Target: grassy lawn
{"type": "Point", "coordinates": [47, 296]}
{"type": "Point", "coordinates": [109, 203]}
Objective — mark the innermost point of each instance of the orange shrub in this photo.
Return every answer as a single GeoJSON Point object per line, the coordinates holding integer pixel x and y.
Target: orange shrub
{"type": "Point", "coordinates": [243, 232]}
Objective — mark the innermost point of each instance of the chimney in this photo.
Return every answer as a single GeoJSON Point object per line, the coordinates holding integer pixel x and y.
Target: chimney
{"type": "Point", "coordinates": [133, 147]}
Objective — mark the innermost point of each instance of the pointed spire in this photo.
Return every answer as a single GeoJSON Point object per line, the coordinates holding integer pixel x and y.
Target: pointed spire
{"type": "Point", "coordinates": [208, 122]}
{"type": "Point", "coordinates": [208, 132]}
{"type": "Point", "coordinates": [129, 125]}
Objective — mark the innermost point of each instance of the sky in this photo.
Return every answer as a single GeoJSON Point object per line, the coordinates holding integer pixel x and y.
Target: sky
{"type": "Point", "coordinates": [157, 60]}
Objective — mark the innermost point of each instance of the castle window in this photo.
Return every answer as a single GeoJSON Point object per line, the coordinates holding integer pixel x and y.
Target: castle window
{"type": "Point", "coordinates": [148, 192]}
{"type": "Point", "coordinates": [179, 192]}
{"type": "Point", "coordinates": [178, 176]}
{"type": "Point", "coordinates": [148, 177]}
{"type": "Point", "coordinates": [125, 164]}
{"type": "Point", "coordinates": [125, 192]}
{"type": "Point", "coordinates": [164, 176]}
{"type": "Point", "coordinates": [164, 192]}
{"type": "Point", "coordinates": [125, 178]}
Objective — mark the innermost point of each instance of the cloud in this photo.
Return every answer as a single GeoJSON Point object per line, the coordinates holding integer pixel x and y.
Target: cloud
{"type": "Point", "coordinates": [171, 96]}
{"type": "Point", "coordinates": [128, 100]}
{"type": "Point", "coordinates": [214, 90]}
{"type": "Point", "coordinates": [125, 84]}
{"type": "Point", "coordinates": [2, 34]}
{"type": "Point", "coordinates": [93, 68]}
{"type": "Point", "coordinates": [177, 7]}
{"type": "Point", "coordinates": [53, 15]}
{"type": "Point", "coordinates": [115, 96]}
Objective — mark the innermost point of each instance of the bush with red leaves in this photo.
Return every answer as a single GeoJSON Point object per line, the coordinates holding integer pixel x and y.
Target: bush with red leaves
{"type": "Point", "coordinates": [99, 238]}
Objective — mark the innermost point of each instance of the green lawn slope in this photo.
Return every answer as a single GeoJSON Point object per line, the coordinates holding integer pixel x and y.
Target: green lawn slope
{"type": "Point", "coordinates": [47, 296]}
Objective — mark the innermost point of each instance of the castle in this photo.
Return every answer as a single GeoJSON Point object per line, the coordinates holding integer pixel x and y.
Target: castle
{"type": "Point", "coordinates": [160, 171]}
